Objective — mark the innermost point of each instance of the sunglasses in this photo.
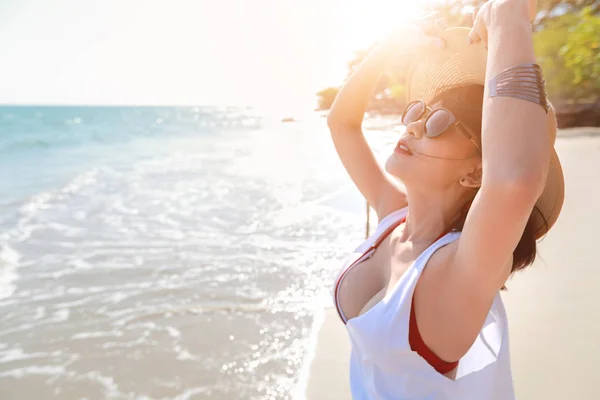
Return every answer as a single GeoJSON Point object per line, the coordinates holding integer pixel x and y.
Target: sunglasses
{"type": "Point", "coordinates": [436, 121]}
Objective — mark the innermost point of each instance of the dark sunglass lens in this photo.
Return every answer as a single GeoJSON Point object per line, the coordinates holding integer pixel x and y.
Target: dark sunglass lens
{"type": "Point", "coordinates": [413, 113]}
{"type": "Point", "coordinates": [438, 122]}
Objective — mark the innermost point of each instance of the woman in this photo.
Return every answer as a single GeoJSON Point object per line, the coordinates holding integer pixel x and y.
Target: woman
{"type": "Point", "coordinates": [481, 183]}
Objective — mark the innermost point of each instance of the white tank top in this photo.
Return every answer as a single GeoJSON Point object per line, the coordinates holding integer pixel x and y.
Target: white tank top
{"type": "Point", "coordinates": [382, 364]}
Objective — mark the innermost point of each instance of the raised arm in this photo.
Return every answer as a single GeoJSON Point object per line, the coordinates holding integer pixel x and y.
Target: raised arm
{"type": "Point", "coordinates": [516, 154]}
{"type": "Point", "coordinates": [345, 119]}
{"type": "Point", "coordinates": [455, 295]}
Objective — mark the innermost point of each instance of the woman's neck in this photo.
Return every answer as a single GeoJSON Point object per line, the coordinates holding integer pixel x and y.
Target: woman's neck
{"type": "Point", "coordinates": [429, 216]}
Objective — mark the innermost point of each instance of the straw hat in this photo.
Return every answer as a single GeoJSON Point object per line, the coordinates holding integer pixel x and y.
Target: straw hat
{"type": "Point", "coordinates": [460, 63]}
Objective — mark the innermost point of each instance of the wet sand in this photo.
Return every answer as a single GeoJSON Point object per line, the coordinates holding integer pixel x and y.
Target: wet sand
{"type": "Point", "coordinates": [553, 306]}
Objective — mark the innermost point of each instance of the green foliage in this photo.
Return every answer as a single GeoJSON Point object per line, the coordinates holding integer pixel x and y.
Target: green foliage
{"type": "Point", "coordinates": [581, 54]}
{"type": "Point", "coordinates": [568, 49]}
{"type": "Point", "coordinates": [397, 91]}
{"type": "Point", "coordinates": [566, 40]}
{"type": "Point", "coordinates": [326, 97]}
{"type": "Point", "coordinates": [548, 44]}
{"type": "Point", "coordinates": [459, 12]}
{"type": "Point", "coordinates": [550, 9]}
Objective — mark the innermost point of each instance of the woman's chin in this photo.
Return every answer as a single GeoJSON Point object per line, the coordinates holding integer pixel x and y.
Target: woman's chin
{"type": "Point", "coordinates": [396, 165]}
{"type": "Point", "coordinates": [407, 169]}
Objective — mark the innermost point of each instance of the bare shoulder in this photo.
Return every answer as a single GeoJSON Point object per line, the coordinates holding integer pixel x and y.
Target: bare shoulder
{"type": "Point", "coordinates": [450, 309]}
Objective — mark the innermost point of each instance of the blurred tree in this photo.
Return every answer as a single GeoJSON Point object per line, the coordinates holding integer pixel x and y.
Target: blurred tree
{"type": "Point", "coordinates": [326, 97]}
{"type": "Point", "coordinates": [568, 49]}
{"type": "Point", "coordinates": [459, 12]}
{"type": "Point", "coordinates": [581, 54]}
{"type": "Point", "coordinates": [567, 44]}
{"type": "Point", "coordinates": [548, 43]}
{"type": "Point", "coordinates": [397, 91]}
{"type": "Point", "coordinates": [550, 9]}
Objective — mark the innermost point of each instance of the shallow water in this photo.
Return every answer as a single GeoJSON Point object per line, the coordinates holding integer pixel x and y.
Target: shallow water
{"type": "Point", "coordinates": [165, 252]}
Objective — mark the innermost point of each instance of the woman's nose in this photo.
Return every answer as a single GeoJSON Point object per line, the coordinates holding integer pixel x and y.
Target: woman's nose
{"type": "Point", "coordinates": [415, 129]}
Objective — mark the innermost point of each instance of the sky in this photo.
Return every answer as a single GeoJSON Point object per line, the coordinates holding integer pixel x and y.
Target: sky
{"type": "Point", "coordinates": [200, 52]}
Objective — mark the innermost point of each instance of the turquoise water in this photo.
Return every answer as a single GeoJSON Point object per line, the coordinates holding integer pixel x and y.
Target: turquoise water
{"type": "Point", "coordinates": [39, 146]}
{"type": "Point", "coordinates": [165, 252]}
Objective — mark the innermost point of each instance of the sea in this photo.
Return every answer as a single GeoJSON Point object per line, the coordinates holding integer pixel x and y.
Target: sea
{"type": "Point", "coordinates": [167, 252]}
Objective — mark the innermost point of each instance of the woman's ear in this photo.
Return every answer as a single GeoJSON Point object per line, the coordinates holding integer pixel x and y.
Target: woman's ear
{"type": "Point", "coordinates": [472, 179]}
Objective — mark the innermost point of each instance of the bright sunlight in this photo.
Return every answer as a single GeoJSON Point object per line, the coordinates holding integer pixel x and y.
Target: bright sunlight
{"type": "Point", "coordinates": [370, 21]}
{"type": "Point", "coordinates": [238, 52]}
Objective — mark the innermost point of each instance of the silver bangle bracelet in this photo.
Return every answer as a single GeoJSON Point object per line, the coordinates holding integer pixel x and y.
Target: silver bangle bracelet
{"type": "Point", "coordinates": [523, 82]}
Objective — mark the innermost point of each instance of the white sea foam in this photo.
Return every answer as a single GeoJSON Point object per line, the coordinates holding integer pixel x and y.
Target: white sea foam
{"type": "Point", "coordinates": [49, 370]}
{"type": "Point", "coordinates": [93, 335]}
{"type": "Point", "coordinates": [168, 253]}
{"type": "Point", "coordinates": [9, 262]}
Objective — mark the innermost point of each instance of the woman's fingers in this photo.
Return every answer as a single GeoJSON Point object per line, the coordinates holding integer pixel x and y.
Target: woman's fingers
{"type": "Point", "coordinates": [475, 12]}
{"type": "Point", "coordinates": [532, 10]}
{"type": "Point", "coordinates": [478, 31]}
{"type": "Point", "coordinates": [483, 15]}
{"type": "Point", "coordinates": [441, 25]}
{"type": "Point", "coordinates": [432, 26]}
{"type": "Point", "coordinates": [431, 16]}
{"type": "Point", "coordinates": [421, 33]}
{"type": "Point", "coordinates": [473, 36]}
{"type": "Point", "coordinates": [478, 34]}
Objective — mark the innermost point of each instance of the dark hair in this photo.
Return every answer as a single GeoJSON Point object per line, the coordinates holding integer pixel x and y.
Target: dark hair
{"type": "Point", "coordinates": [466, 103]}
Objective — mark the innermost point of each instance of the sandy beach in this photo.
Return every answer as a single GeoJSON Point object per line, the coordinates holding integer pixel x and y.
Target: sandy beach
{"type": "Point", "coordinates": [552, 306]}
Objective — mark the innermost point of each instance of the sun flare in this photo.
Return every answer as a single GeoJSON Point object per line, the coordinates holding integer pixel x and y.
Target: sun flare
{"type": "Point", "coordinates": [274, 54]}
{"type": "Point", "coordinates": [372, 20]}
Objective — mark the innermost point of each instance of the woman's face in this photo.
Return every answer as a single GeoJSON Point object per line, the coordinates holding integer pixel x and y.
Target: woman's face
{"type": "Point", "coordinates": [438, 162]}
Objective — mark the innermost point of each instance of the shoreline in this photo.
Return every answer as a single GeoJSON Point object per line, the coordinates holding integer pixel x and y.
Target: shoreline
{"type": "Point", "coordinates": [328, 371]}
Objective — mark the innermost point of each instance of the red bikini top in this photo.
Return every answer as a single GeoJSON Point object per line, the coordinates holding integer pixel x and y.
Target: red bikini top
{"type": "Point", "coordinates": [414, 336]}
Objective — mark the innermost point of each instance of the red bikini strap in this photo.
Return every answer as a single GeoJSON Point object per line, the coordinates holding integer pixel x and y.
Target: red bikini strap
{"type": "Point", "coordinates": [378, 241]}
{"type": "Point", "coordinates": [386, 233]}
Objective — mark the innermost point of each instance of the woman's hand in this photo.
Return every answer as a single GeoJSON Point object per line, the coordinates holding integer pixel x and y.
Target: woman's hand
{"type": "Point", "coordinates": [421, 33]}
{"type": "Point", "coordinates": [499, 14]}
{"type": "Point", "coordinates": [346, 115]}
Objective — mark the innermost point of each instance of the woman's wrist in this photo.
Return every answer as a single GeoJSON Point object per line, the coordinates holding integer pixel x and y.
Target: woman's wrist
{"type": "Point", "coordinates": [519, 26]}
{"type": "Point", "coordinates": [509, 43]}
{"type": "Point", "coordinates": [517, 33]}
{"type": "Point", "coordinates": [513, 14]}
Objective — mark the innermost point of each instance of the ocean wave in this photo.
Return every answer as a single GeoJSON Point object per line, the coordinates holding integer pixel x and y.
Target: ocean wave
{"type": "Point", "coordinates": [39, 128]}
{"type": "Point", "coordinates": [9, 262]}
{"type": "Point", "coordinates": [196, 251]}
{"type": "Point", "coordinates": [41, 200]}
{"type": "Point", "coordinates": [26, 223]}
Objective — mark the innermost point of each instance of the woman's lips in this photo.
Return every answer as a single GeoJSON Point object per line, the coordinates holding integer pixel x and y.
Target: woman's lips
{"type": "Point", "coordinates": [402, 147]}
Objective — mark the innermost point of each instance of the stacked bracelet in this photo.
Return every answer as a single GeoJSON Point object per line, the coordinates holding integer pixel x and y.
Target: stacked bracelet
{"type": "Point", "coordinates": [523, 82]}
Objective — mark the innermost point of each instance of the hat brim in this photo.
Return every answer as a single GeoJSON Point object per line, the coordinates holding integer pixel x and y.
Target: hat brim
{"type": "Point", "coordinates": [433, 71]}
